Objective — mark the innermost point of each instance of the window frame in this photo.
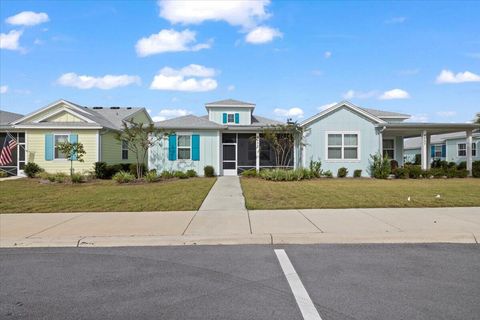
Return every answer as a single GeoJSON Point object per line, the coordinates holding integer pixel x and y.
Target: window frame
{"type": "Point", "coordinates": [474, 149]}
{"type": "Point", "coordinates": [436, 146]}
{"type": "Point", "coordinates": [55, 146]}
{"type": "Point", "coordinates": [228, 117]}
{"type": "Point", "coordinates": [124, 149]}
{"type": "Point", "coordinates": [464, 149]}
{"type": "Point", "coordinates": [389, 149]}
{"type": "Point", "coordinates": [343, 146]}
{"type": "Point", "coordinates": [183, 147]}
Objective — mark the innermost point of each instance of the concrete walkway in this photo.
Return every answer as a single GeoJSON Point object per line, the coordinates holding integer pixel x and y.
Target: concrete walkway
{"type": "Point", "coordinates": [240, 226]}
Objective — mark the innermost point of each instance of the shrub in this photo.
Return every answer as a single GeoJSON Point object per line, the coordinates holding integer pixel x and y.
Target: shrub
{"type": "Point", "coordinates": [462, 165]}
{"type": "Point", "coordinates": [328, 174]}
{"type": "Point", "coordinates": [380, 166]}
{"type": "Point", "coordinates": [209, 171]}
{"type": "Point", "coordinates": [462, 173]}
{"type": "Point", "coordinates": [151, 176]}
{"type": "Point", "coordinates": [316, 168]}
{"type": "Point", "coordinates": [180, 175]}
{"type": "Point", "coordinates": [61, 177]}
{"type": "Point", "coordinates": [418, 159]}
{"type": "Point", "coordinates": [3, 174]}
{"type": "Point", "coordinates": [476, 169]}
{"type": "Point", "coordinates": [191, 173]}
{"type": "Point", "coordinates": [123, 177]}
{"type": "Point", "coordinates": [250, 173]}
{"type": "Point", "coordinates": [357, 173]}
{"type": "Point", "coordinates": [414, 171]}
{"type": "Point", "coordinates": [451, 172]}
{"type": "Point", "coordinates": [437, 172]}
{"type": "Point", "coordinates": [133, 168]}
{"type": "Point", "coordinates": [166, 174]}
{"type": "Point", "coordinates": [77, 178]}
{"type": "Point", "coordinates": [342, 172]}
{"type": "Point", "coordinates": [31, 169]}
{"type": "Point", "coordinates": [393, 165]}
{"type": "Point", "coordinates": [439, 164]}
{"type": "Point", "coordinates": [101, 170]}
{"type": "Point", "coordinates": [401, 173]}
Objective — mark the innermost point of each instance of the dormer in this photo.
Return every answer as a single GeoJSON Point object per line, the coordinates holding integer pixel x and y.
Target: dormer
{"type": "Point", "coordinates": [230, 112]}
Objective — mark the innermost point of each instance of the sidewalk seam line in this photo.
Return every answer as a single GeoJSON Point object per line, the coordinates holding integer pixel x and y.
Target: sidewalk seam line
{"type": "Point", "coordinates": [188, 225]}
{"type": "Point", "coordinates": [55, 225]}
{"type": "Point", "coordinates": [249, 222]}
{"type": "Point", "coordinates": [299, 211]}
{"type": "Point", "coordinates": [377, 218]}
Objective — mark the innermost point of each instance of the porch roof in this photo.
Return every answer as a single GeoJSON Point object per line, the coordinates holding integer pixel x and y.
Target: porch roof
{"type": "Point", "coordinates": [414, 129]}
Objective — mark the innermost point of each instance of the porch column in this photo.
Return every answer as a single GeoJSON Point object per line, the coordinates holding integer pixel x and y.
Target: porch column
{"type": "Point", "coordinates": [424, 149]}
{"type": "Point", "coordinates": [469, 152]}
{"type": "Point", "coordinates": [257, 151]}
{"type": "Point", "coordinates": [429, 151]}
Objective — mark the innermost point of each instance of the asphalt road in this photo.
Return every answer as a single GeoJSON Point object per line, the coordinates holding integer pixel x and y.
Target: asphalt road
{"type": "Point", "coordinates": [240, 282]}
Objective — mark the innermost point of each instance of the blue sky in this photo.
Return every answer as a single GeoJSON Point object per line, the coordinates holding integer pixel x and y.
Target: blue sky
{"type": "Point", "coordinates": [291, 58]}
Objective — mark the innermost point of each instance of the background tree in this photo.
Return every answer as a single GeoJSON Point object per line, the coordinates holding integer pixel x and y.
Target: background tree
{"type": "Point", "coordinates": [139, 137]}
{"type": "Point", "coordinates": [282, 139]}
{"type": "Point", "coordinates": [73, 152]}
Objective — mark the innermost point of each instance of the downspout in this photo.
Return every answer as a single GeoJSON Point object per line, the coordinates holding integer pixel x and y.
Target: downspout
{"type": "Point", "coordinates": [380, 138]}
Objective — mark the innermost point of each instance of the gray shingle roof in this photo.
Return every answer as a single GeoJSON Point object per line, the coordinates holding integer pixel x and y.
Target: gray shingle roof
{"type": "Point", "coordinates": [6, 117]}
{"type": "Point", "coordinates": [188, 122]}
{"type": "Point", "coordinates": [382, 113]}
{"type": "Point", "coordinates": [111, 118]}
{"type": "Point", "coordinates": [230, 102]}
{"type": "Point", "coordinates": [415, 143]}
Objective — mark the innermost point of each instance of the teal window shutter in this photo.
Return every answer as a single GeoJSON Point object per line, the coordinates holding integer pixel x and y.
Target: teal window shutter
{"type": "Point", "coordinates": [195, 147]}
{"type": "Point", "coordinates": [74, 139]}
{"type": "Point", "coordinates": [172, 147]}
{"type": "Point", "coordinates": [444, 151]}
{"type": "Point", "coordinates": [48, 146]}
{"type": "Point", "coordinates": [433, 151]}
{"type": "Point", "coordinates": [237, 118]}
{"type": "Point", "coordinates": [224, 118]}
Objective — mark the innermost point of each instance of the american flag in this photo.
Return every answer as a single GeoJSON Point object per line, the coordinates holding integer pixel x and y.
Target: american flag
{"type": "Point", "coordinates": [6, 154]}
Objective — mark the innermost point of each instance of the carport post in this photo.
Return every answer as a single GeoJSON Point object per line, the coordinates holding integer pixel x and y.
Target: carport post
{"type": "Point", "coordinates": [257, 151]}
{"type": "Point", "coordinates": [424, 150]}
{"type": "Point", "coordinates": [469, 152]}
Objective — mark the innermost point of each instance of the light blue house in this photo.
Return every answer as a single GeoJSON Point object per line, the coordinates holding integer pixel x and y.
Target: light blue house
{"type": "Point", "coordinates": [229, 138]}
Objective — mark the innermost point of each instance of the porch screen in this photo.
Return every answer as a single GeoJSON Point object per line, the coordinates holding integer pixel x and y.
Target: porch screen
{"type": "Point", "coordinates": [246, 150]}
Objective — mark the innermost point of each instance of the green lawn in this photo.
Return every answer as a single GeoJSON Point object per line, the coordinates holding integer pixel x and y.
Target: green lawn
{"type": "Point", "coordinates": [28, 195]}
{"type": "Point", "coordinates": [360, 193]}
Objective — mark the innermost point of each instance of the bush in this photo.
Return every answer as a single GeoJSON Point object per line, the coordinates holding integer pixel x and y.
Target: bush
{"type": "Point", "coordinates": [31, 169]}
{"type": "Point", "coordinates": [101, 170]}
{"type": "Point", "coordinates": [451, 172]}
{"type": "Point", "coordinates": [180, 175]}
{"type": "Point", "coordinates": [462, 165]}
{"type": "Point", "coordinates": [393, 165]}
{"type": "Point", "coordinates": [476, 169]}
{"type": "Point", "coordinates": [250, 173]}
{"type": "Point", "coordinates": [414, 171]}
{"type": "Point", "coordinates": [440, 164]}
{"type": "Point", "coordinates": [123, 177]}
{"type": "Point", "coordinates": [438, 172]}
{"type": "Point", "coordinates": [357, 173]}
{"type": "Point", "coordinates": [328, 174]}
{"type": "Point", "coordinates": [342, 172]}
{"type": "Point", "coordinates": [462, 173]}
{"type": "Point", "coordinates": [166, 174]}
{"type": "Point", "coordinates": [133, 168]}
{"type": "Point", "coordinates": [316, 168]}
{"type": "Point", "coordinates": [61, 177]}
{"type": "Point", "coordinates": [3, 174]}
{"type": "Point", "coordinates": [380, 166]}
{"type": "Point", "coordinates": [77, 178]}
{"type": "Point", "coordinates": [418, 159]}
{"type": "Point", "coordinates": [151, 176]}
{"type": "Point", "coordinates": [209, 171]}
{"type": "Point", "coordinates": [191, 173]}
{"type": "Point", "coordinates": [401, 173]}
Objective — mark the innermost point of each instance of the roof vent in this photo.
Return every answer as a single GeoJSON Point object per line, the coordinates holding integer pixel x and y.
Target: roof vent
{"type": "Point", "coordinates": [129, 108]}
{"type": "Point", "coordinates": [115, 108]}
{"type": "Point", "coordinates": [96, 108]}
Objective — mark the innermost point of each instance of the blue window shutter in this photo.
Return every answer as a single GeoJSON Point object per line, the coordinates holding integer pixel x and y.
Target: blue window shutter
{"type": "Point", "coordinates": [48, 147]}
{"type": "Point", "coordinates": [444, 151]}
{"type": "Point", "coordinates": [195, 147]}
{"type": "Point", "coordinates": [433, 151]}
{"type": "Point", "coordinates": [237, 118]}
{"type": "Point", "coordinates": [74, 139]}
{"type": "Point", "coordinates": [224, 118]}
{"type": "Point", "coordinates": [172, 147]}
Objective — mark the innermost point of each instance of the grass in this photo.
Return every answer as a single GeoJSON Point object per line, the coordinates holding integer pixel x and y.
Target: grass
{"type": "Point", "coordinates": [360, 193]}
{"type": "Point", "coordinates": [28, 195]}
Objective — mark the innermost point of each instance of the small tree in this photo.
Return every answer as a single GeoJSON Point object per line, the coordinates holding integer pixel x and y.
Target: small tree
{"type": "Point", "coordinates": [73, 151]}
{"type": "Point", "coordinates": [139, 137]}
{"type": "Point", "coordinates": [282, 139]}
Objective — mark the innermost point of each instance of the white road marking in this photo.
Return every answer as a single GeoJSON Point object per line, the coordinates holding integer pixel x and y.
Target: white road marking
{"type": "Point", "coordinates": [309, 312]}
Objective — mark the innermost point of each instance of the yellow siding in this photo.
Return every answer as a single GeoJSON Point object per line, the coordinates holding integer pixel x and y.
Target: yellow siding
{"type": "Point", "coordinates": [63, 117]}
{"type": "Point", "coordinates": [36, 150]}
{"type": "Point", "coordinates": [48, 111]}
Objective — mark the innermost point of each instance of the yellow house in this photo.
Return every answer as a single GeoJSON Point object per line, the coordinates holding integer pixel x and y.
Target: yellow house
{"type": "Point", "coordinates": [39, 133]}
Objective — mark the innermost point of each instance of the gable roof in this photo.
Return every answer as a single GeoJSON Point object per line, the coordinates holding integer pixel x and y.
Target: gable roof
{"type": "Point", "coordinates": [386, 114]}
{"type": "Point", "coordinates": [6, 117]}
{"type": "Point", "coordinates": [188, 122]}
{"type": "Point", "coordinates": [230, 103]}
{"type": "Point", "coordinates": [339, 105]}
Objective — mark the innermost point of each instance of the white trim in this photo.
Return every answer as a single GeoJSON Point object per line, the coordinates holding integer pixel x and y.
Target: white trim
{"type": "Point", "coordinates": [53, 127]}
{"type": "Point", "coordinates": [232, 114]}
{"type": "Point", "coordinates": [394, 146]}
{"type": "Point", "coordinates": [219, 154]}
{"type": "Point", "coordinates": [183, 147]}
{"type": "Point", "coordinates": [54, 144]}
{"type": "Point", "coordinates": [458, 149]}
{"type": "Point", "coordinates": [98, 158]}
{"type": "Point", "coordinates": [48, 107]}
{"type": "Point", "coordinates": [339, 105]}
{"type": "Point", "coordinates": [67, 111]}
{"type": "Point", "coordinates": [123, 149]}
{"type": "Point", "coordinates": [257, 151]}
{"type": "Point", "coordinates": [343, 146]}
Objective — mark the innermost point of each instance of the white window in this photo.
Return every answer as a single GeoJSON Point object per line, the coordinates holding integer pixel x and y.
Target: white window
{"type": "Point", "coordinates": [462, 149]}
{"type": "Point", "coordinates": [474, 149]}
{"type": "Point", "coordinates": [59, 139]}
{"type": "Point", "coordinates": [438, 151]}
{"type": "Point", "coordinates": [184, 147]}
{"type": "Point", "coordinates": [230, 118]}
{"type": "Point", "coordinates": [389, 148]}
{"type": "Point", "coordinates": [124, 150]}
{"type": "Point", "coordinates": [342, 146]}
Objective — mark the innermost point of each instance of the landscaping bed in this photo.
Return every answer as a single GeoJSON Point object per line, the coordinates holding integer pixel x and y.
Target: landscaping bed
{"type": "Point", "coordinates": [360, 193]}
{"type": "Point", "coordinates": [30, 195]}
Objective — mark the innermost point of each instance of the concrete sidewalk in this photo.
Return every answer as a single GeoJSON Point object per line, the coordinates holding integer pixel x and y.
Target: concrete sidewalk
{"type": "Point", "coordinates": [240, 226]}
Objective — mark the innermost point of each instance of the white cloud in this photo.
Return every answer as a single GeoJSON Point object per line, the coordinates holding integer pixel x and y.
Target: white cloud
{"type": "Point", "coordinates": [447, 76]}
{"type": "Point", "coordinates": [169, 40]}
{"type": "Point", "coordinates": [244, 13]}
{"type": "Point", "coordinates": [192, 78]}
{"type": "Point", "coordinates": [326, 106]}
{"type": "Point", "coordinates": [3, 89]}
{"type": "Point", "coordinates": [421, 117]}
{"type": "Point", "coordinates": [28, 18]}
{"type": "Point", "coordinates": [351, 94]}
{"type": "Point", "coordinates": [106, 82]}
{"type": "Point", "coordinates": [446, 114]}
{"type": "Point", "coordinates": [396, 20]}
{"type": "Point", "coordinates": [231, 87]}
{"type": "Point", "coordinates": [262, 34]}
{"type": "Point", "coordinates": [165, 114]}
{"type": "Point", "coordinates": [327, 54]}
{"type": "Point", "coordinates": [394, 94]}
{"type": "Point", "coordinates": [10, 41]}
{"type": "Point", "coordinates": [288, 113]}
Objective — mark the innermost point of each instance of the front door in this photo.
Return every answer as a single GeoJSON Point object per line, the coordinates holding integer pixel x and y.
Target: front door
{"type": "Point", "coordinates": [229, 154]}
